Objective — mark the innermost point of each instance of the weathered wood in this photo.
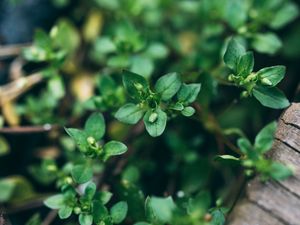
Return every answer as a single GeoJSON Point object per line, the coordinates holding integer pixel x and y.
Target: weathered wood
{"type": "Point", "coordinates": [272, 202]}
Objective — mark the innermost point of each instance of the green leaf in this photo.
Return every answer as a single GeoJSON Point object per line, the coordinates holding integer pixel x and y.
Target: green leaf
{"type": "Point", "coordinates": [266, 43]}
{"type": "Point", "coordinates": [7, 189]}
{"type": "Point", "coordinates": [245, 146]}
{"type": "Point", "coordinates": [95, 126]}
{"type": "Point", "coordinates": [235, 12]}
{"type": "Point", "coordinates": [106, 84]}
{"type": "Point", "coordinates": [188, 111]}
{"type": "Point", "coordinates": [103, 196]}
{"type": "Point", "coordinates": [82, 173]}
{"type": "Point", "coordinates": [100, 212]}
{"type": "Point", "coordinates": [279, 171]}
{"type": "Point", "coordinates": [159, 210]}
{"type": "Point", "coordinates": [274, 74]}
{"type": "Point", "coordinates": [142, 223]}
{"type": "Point", "coordinates": [79, 136]}
{"type": "Point", "coordinates": [155, 127]}
{"type": "Point", "coordinates": [199, 205]}
{"type": "Point", "coordinates": [142, 65]}
{"type": "Point", "coordinates": [264, 139]}
{"type": "Point", "coordinates": [227, 158]}
{"type": "Point", "coordinates": [233, 53]}
{"type": "Point", "coordinates": [288, 12]}
{"type": "Point", "coordinates": [113, 148]}
{"type": "Point", "coordinates": [271, 97]}
{"type": "Point", "coordinates": [245, 64]}
{"type": "Point", "coordinates": [218, 217]}
{"type": "Point", "coordinates": [135, 84]}
{"type": "Point", "coordinates": [65, 212]}
{"type": "Point", "coordinates": [130, 113]}
{"type": "Point", "coordinates": [168, 85]}
{"type": "Point", "coordinates": [188, 92]}
{"type": "Point", "coordinates": [85, 219]}
{"type": "Point", "coordinates": [90, 190]}
{"type": "Point", "coordinates": [55, 201]}
{"type": "Point", "coordinates": [118, 212]}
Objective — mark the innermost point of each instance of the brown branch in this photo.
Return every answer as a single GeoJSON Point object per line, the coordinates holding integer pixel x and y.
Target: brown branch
{"type": "Point", "coordinates": [12, 50]}
{"type": "Point", "coordinates": [50, 217]}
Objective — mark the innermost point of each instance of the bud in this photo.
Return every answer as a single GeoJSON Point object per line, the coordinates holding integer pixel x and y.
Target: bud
{"type": "Point", "coordinates": [244, 94]}
{"type": "Point", "coordinates": [231, 77]}
{"type": "Point", "coordinates": [153, 117]}
{"type": "Point", "coordinates": [91, 140]}
{"type": "Point", "coordinates": [266, 81]}
{"type": "Point", "coordinates": [249, 172]}
{"type": "Point", "coordinates": [248, 163]}
{"type": "Point", "coordinates": [68, 180]}
{"type": "Point", "coordinates": [77, 210]}
{"type": "Point", "coordinates": [138, 86]}
{"type": "Point", "coordinates": [51, 168]}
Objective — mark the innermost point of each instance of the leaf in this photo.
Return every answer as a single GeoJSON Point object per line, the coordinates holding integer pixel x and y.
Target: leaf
{"type": "Point", "coordinates": [227, 158]}
{"type": "Point", "coordinates": [55, 201]}
{"type": "Point", "coordinates": [142, 65]}
{"type": "Point", "coordinates": [130, 113]}
{"type": "Point", "coordinates": [279, 171]}
{"type": "Point", "coordinates": [271, 97]}
{"type": "Point", "coordinates": [118, 212]}
{"type": "Point", "coordinates": [65, 212]}
{"type": "Point", "coordinates": [233, 53]}
{"type": "Point", "coordinates": [90, 190]}
{"type": "Point", "coordinates": [82, 173]}
{"type": "Point", "coordinates": [100, 212]}
{"type": "Point", "coordinates": [264, 139]}
{"type": "Point", "coordinates": [288, 12]}
{"type": "Point", "coordinates": [103, 196]}
{"type": "Point", "coordinates": [106, 84]}
{"type": "Point", "coordinates": [266, 43]}
{"type": "Point", "coordinates": [168, 85]}
{"type": "Point", "coordinates": [134, 84]}
{"type": "Point", "coordinates": [199, 205]}
{"type": "Point", "coordinates": [142, 223]}
{"type": "Point", "coordinates": [274, 74]}
{"type": "Point", "coordinates": [235, 12]}
{"type": "Point", "coordinates": [95, 126]}
{"type": "Point", "coordinates": [245, 146]}
{"type": "Point", "coordinates": [159, 210]}
{"type": "Point", "coordinates": [188, 111]}
{"type": "Point", "coordinates": [188, 92]}
{"type": "Point", "coordinates": [245, 64]}
{"type": "Point", "coordinates": [85, 219]}
{"type": "Point", "coordinates": [218, 217]}
{"type": "Point", "coordinates": [7, 189]}
{"type": "Point", "coordinates": [4, 146]}
{"type": "Point", "coordinates": [113, 148]}
{"type": "Point", "coordinates": [79, 136]}
{"type": "Point", "coordinates": [155, 127]}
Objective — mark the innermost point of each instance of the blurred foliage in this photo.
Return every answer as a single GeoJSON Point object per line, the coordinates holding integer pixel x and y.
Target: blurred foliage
{"type": "Point", "coordinates": [143, 63]}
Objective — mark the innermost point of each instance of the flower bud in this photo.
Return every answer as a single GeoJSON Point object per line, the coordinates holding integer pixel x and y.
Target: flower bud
{"type": "Point", "coordinates": [91, 140]}
{"type": "Point", "coordinates": [266, 81]}
{"type": "Point", "coordinates": [231, 77]}
{"type": "Point", "coordinates": [77, 210]}
{"type": "Point", "coordinates": [244, 94]}
{"type": "Point", "coordinates": [51, 168]}
{"type": "Point", "coordinates": [68, 180]}
{"type": "Point", "coordinates": [153, 117]}
{"type": "Point", "coordinates": [138, 86]}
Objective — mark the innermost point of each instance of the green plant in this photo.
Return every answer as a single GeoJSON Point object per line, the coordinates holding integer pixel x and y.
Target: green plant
{"type": "Point", "coordinates": [100, 76]}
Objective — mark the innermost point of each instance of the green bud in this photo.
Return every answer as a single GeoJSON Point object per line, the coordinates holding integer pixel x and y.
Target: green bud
{"type": "Point", "coordinates": [249, 172]}
{"type": "Point", "coordinates": [51, 168]}
{"type": "Point", "coordinates": [244, 94]}
{"type": "Point", "coordinates": [77, 210]}
{"type": "Point", "coordinates": [153, 117]}
{"type": "Point", "coordinates": [266, 81]}
{"type": "Point", "coordinates": [91, 140]}
{"type": "Point", "coordinates": [248, 163]}
{"type": "Point", "coordinates": [138, 86]}
{"type": "Point", "coordinates": [231, 77]}
{"type": "Point", "coordinates": [251, 77]}
{"type": "Point", "coordinates": [68, 180]}
{"type": "Point", "coordinates": [242, 30]}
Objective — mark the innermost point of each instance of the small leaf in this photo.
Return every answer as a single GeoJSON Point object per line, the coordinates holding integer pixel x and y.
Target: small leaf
{"type": "Point", "coordinates": [129, 113]}
{"type": "Point", "coordinates": [288, 12]}
{"type": "Point", "coordinates": [103, 196]}
{"type": "Point", "coordinates": [135, 84]}
{"type": "Point", "coordinates": [279, 171]}
{"type": "Point", "coordinates": [159, 210]}
{"type": "Point", "coordinates": [218, 217]}
{"type": "Point", "coordinates": [233, 53]}
{"type": "Point", "coordinates": [271, 97]}
{"type": "Point", "coordinates": [82, 173]}
{"type": "Point", "coordinates": [118, 212]}
{"type": "Point", "coordinates": [227, 158]}
{"type": "Point", "coordinates": [95, 126]}
{"type": "Point", "coordinates": [245, 64]}
{"type": "Point", "coordinates": [113, 148]}
{"type": "Point", "coordinates": [264, 139]}
{"type": "Point", "coordinates": [106, 84]}
{"type": "Point", "coordinates": [188, 92]}
{"type": "Point", "coordinates": [90, 190]}
{"type": "Point", "coordinates": [55, 201]}
{"type": "Point", "coordinates": [274, 74]}
{"type": "Point", "coordinates": [188, 111]}
{"type": "Point", "coordinates": [85, 219]}
{"type": "Point", "coordinates": [157, 127]}
{"type": "Point", "coordinates": [142, 65]}
{"type": "Point", "coordinates": [266, 43]}
{"type": "Point", "coordinates": [168, 85]}
{"type": "Point", "coordinates": [100, 212]}
{"type": "Point", "coordinates": [245, 146]}
{"type": "Point", "coordinates": [79, 136]}
{"type": "Point", "coordinates": [65, 212]}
